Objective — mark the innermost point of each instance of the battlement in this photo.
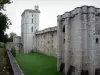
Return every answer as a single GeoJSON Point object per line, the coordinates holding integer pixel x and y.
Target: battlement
{"type": "Point", "coordinates": [79, 11]}
{"type": "Point", "coordinates": [35, 10]}
{"type": "Point", "coordinates": [36, 7]}
{"type": "Point", "coordinates": [47, 30]}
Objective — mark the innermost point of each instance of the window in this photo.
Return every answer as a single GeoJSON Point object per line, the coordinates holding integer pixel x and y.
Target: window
{"type": "Point", "coordinates": [32, 20]}
{"type": "Point", "coordinates": [62, 66]}
{"type": "Point", "coordinates": [32, 29]}
{"type": "Point", "coordinates": [64, 34]}
{"type": "Point", "coordinates": [64, 29]}
{"type": "Point", "coordinates": [48, 42]}
{"type": "Point", "coordinates": [52, 35]}
{"type": "Point", "coordinates": [97, 40]}
{"type": "Point", "coordinates": [52, 41]}
{"type": "Point", "coordinates": [52, 46]}
{"type": "Point", "coordinates": [44, 36]}
{"type": "Point", "coordinates": [64, 41]}
{"type": "Point", "coordinates": [33, 37]}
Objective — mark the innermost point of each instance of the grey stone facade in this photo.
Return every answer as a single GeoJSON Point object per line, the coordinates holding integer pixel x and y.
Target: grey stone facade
{"type": "Point", "coordinates": [46, 41]}
{"type": "Point", "coordinates": [17, 43]}
{"type": "Point", "coordinates": [80, 54]}
{"type": "Point", "coordinates": [29, 26]}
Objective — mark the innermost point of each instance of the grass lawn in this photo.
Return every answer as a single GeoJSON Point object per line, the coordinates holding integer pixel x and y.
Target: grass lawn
{"type": "Point", "coordinates": [37, 64]}
{"type": "Point", "coordinates": [1, 51]}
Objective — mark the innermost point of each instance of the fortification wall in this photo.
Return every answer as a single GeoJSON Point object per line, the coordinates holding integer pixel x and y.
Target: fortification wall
{"type": "Point", "coordinates": [80, 50]}
{"type": "Point", "coordinates": [47, 41]}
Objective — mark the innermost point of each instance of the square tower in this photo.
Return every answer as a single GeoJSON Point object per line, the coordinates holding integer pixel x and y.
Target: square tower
{"type": "Point", "coordinates": [29, 25]}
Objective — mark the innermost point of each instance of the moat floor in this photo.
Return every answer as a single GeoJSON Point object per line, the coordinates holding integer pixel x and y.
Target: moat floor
{"type": "Point", "coordinates": [37, 64]}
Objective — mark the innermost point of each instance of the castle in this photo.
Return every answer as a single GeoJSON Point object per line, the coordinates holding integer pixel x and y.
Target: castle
{"type": "Point", "coordinates": [74, 41]}
{"type": "Point", "coordinates": [34, 40]}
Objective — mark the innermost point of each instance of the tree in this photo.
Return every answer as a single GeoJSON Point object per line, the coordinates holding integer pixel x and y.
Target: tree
{"type": "Point", "coordinates": [11, 36]}
{"type": "Point", "coordinates": [4, 20]}
{"type": "Point", "coordinates": [3, 2]}
{"type": "Point", "coordinates": [6, 39]}
{"type": "Point", "coordinates": [4, 24]}
{"type": "Point", "coordinates": [1, 36]}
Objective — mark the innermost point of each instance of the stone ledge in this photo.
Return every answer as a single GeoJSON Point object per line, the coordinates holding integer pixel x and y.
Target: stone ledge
{"type": "Point", "coordinates": [50, 29]}
{"type": "Point", "coordinates": [15, 67]}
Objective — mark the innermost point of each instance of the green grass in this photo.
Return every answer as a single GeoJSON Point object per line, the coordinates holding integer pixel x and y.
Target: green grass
{"type": "Point", "coordinates": [37, 64]}
{"type": "Point", "coordinates": [1, 51]}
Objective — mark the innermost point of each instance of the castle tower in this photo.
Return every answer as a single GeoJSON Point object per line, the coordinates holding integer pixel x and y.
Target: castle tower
{"type": "Point", "coordinates": [29, 25]}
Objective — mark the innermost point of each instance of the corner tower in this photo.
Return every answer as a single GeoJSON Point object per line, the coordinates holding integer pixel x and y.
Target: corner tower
{"type": "Point", "coordinates": [29, 25]}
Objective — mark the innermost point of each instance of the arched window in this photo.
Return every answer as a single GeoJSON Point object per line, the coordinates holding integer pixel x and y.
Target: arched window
{"type": "Point", "coordinates": [32, 29]}
{"type": "Point", "coordinates": [97, 40]}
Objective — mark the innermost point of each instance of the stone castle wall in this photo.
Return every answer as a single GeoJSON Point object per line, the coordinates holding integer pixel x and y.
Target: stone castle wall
{"type": "Point", "coordinates": [46, 41]}
{"type": "Point", "coordinates": [75, 41]}
{"type": "Point", "coordinates": [80, 53]}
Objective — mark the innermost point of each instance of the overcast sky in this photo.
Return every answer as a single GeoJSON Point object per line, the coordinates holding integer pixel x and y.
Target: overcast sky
{"type": "Point", "coordinates": [49, 11]}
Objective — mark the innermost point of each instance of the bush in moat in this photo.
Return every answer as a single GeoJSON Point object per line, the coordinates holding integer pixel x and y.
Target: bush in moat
{"type": "Point", "coordinates": [13, 51]}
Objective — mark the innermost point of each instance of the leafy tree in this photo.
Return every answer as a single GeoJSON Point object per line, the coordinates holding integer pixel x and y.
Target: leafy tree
{"type": "Point", "coordinates": [6, 39]}
{"type": "Point", "coordinates": [13, 51]}
{"type": "Point", "coordinates": [1, 36]}
{"type": "Point", "coordinates": [3, 2]}
{"type": "Point", "coordinates": [4, 20]}
{"type": "Point", "coordinates": [11, 36]}
{"type": "Point", "coordinates": [4, 24]}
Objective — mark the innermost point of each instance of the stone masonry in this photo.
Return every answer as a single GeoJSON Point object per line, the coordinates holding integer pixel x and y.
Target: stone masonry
{"type": "Point", "coordinates": [79, 31]}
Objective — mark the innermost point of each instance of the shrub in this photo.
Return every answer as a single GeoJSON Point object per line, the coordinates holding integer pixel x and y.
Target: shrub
{"type": "Point", "coordinates": [31, 51]}
{"type": "Point", "coordinates": [20, 50]}
{"type": "Point", "coordinates": [13, 51]}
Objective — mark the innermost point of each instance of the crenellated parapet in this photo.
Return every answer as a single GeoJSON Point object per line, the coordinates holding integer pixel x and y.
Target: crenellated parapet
{"type": "Point", "coordinates": [59, 17]}
{"type": "Point", "coordinates": [47, 30]}
{"type": "Point", "coordinates": [79, 10]}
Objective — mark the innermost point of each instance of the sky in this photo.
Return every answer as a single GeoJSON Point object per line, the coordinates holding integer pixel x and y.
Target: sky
{"type": "Point", "coordinates": [49, 9]}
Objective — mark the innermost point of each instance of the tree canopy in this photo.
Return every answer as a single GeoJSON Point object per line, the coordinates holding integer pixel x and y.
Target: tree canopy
{"type": "Point", "coordinates": [3, 2]}
{"type": "Point", "coordinates": [4, 20]}
{"type": "Point", "coordinates": [12, 34]}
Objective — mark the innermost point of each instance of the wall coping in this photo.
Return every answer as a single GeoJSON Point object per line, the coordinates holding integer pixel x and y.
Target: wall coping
{"type": "Point", "coordinates": [15, 67]}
